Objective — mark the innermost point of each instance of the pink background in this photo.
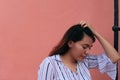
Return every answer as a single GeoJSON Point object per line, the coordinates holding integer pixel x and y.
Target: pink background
{"type": "Point", "coordinates": [29, 29]}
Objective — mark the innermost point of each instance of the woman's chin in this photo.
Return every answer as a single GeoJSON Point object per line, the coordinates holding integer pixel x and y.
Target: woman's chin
{"type": "Point", "coordinates": [80, 59]}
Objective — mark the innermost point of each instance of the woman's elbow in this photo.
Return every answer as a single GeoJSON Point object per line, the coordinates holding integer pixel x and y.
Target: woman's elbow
{"type": "Point", "coordinates": [115, 59]}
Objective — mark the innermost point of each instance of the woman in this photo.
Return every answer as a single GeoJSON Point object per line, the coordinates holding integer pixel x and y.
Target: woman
{"type": "Point", "coordinates": [70, 59]}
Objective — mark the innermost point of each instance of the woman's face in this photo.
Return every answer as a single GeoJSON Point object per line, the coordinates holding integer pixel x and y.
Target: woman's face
{"type": "Point", "coordinates": [80, 49]}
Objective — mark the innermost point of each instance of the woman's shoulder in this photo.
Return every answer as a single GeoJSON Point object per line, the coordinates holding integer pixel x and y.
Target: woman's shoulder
{"type": "Point", "coordinates": [46, 67]}
{"type": "Point", "coordinates": [51, 60]}
{"type": "Point", "coordinates": [48, 59]}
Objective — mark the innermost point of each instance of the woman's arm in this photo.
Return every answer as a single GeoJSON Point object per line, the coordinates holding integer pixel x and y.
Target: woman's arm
{"type": "Point", "coordinates": [108, 48]}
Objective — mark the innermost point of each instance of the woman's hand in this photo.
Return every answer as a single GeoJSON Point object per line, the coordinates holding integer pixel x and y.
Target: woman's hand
{"type": "Point", "coordinates": [85, 24]}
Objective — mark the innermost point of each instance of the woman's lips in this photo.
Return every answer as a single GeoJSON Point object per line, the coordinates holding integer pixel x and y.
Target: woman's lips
{"type": "Point", "coordinates": [83, 56]}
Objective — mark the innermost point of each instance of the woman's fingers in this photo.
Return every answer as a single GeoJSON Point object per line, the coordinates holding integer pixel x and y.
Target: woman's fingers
{"type": "Point", "coordinates": [82, 23]}
{"type": "Point", "coordinates": [85, 24]}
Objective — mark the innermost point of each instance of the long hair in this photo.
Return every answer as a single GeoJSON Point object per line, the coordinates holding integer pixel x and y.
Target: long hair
{"type": "Point", "coordinates": [74, 33]}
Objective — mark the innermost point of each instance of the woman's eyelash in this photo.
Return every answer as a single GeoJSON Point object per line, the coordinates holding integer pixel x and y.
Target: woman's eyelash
{"type": "Point", "coordinates": [84, 47]}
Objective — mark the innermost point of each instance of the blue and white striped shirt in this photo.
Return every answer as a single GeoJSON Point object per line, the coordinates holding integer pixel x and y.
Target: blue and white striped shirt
{"type": "Point", "coordinates": [52, 68]}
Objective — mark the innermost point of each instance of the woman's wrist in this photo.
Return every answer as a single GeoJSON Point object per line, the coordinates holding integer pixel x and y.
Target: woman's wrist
{"type": "Point", "coordinates": [97, 35]}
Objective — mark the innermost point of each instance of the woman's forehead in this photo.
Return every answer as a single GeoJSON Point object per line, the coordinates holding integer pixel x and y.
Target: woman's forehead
{"type": "Point", "coordinates": [86, 40]}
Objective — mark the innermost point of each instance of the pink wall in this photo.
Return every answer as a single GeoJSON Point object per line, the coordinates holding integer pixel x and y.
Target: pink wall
{"type": "Point", "coordinates": [30, 28]}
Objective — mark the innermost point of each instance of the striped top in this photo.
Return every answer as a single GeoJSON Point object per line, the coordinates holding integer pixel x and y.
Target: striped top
{"type": "Point", "coordinates": [52, 68]}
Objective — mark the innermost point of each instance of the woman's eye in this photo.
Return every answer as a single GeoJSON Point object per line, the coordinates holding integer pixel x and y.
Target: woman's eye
{"type": "Point", "coordinates": [85, 47]}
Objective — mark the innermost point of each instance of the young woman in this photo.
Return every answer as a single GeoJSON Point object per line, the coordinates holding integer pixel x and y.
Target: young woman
{"type": "Point", "coordinates": [70, 59]}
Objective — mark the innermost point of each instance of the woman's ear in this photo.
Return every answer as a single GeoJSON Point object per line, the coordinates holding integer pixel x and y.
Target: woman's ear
{"type": "Point", "coordinates": [70, 43]}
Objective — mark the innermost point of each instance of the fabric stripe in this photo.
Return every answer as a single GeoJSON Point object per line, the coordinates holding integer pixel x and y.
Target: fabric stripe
{"type": "Point", "coordinates": [73, 75]}
{"type": "Point", "coordinates": [61, 70]}
{"type": "Point", "coordinates": [65, 68]}
{"type": "Point", "coordinates": [81, 74]}
{"type": "Point", "coordinates": [85, 71]}
{"type": "Point", "coordinates": [47, 71]}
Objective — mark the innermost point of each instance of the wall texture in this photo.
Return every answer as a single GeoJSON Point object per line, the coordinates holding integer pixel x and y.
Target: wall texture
{"type": "Point", "coordinates": [29, 29]}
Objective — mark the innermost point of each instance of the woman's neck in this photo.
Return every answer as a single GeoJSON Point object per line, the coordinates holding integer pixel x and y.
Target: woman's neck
{"type": "Point", "coordinates": [67, 58]}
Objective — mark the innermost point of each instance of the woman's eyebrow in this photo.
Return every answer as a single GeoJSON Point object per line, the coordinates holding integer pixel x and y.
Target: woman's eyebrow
{"type": "Point", "coordinates": [88, 45]}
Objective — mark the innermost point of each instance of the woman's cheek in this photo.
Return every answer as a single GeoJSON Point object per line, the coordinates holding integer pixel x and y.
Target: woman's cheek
{"type": "Point", "coordinates": [79, 50]}
{"type": "Point", "coordinates": [79, 53]}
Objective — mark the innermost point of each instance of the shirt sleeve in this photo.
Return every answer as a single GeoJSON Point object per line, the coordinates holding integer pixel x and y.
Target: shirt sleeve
{"type": "Point", "coordinates": [103, 63]}
{"type": "Point", "coordinates": [45, 71]}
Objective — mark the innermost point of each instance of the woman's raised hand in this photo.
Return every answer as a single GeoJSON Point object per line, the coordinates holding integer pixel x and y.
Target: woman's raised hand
{"type": "Point", "coordinates": [85, 24]}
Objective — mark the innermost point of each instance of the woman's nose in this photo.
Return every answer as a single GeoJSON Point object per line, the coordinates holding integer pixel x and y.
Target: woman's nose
{"type": "Point", "coordinates": [87, 50]}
